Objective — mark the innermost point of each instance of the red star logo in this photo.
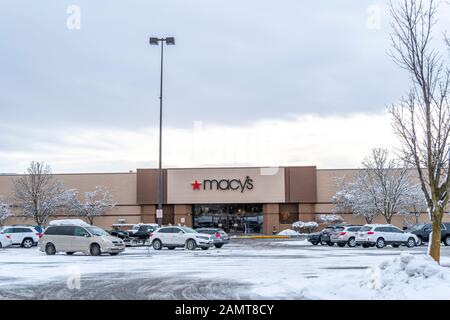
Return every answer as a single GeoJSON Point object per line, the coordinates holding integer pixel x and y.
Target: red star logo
{"type": "Point", "coordinates": [196, 185]}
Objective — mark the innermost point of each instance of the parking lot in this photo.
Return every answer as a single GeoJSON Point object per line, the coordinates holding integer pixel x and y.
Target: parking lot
{"type": "Point", "coordinates": [246, 268]}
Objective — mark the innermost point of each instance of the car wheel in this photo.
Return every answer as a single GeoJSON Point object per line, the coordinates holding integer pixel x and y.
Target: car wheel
{"type": "Point", "coordinates": [191, 244]}
{"type": "Point", "coordinates": [1, 246]}
{"type": "Point", "coordinates": [114, 253]}
{"type": "Point", "coordinates": [50, 249]}
{"type": "Point", "coordinates": [27, 243]}
{"type": "Point", "coordinates": [330, 244]}
{"type": "Point", "coordinates": [205, 248]}
{"type": "Point", "coordinates": [157, 244]}
{"type": "Point", "coordinates": [447, 241]}
{"type": "Point", "coordinates": [380, 243]}
{"type": "Point", "coordinates": [341, 244]}
{"type": "Point", "coordinates": [218, 246]}
{"type": "Point", "coordinates": [171, 248]}
{"type": "Point", "coordinates": [315, 243]}
{"type": "Point", "coordinates": [419, 241]}
{"type": "Point", "coordinates": [411, 243]}
{"type": "Point", "coordinates": [351, 242]}
{"type": "Point", "coordinates": [70, 253]}
{"type": "Point", "coordinates": [94, 250]}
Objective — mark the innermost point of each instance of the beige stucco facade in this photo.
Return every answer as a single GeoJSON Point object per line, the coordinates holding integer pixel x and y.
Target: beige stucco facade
{"type": "Point", "coordinates": [299, 193]}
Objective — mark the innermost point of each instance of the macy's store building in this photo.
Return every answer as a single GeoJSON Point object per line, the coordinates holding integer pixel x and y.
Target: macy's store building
{"type": "Point", "coordinates": [239, 200]}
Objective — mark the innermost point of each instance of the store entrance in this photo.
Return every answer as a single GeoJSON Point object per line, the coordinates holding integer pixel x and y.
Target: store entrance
{"type": "Point", "coordinates": [233, 218]}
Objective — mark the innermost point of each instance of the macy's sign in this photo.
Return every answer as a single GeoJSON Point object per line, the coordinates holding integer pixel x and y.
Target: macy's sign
{"type": "Point", "coordinates": [223, 184]}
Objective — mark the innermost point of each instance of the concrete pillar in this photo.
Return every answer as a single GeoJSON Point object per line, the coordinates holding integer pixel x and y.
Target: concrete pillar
{"type": "Point", "coordinates": [271, 217]}
{"type": "Point", "coordinates": [306, 212]}
{"type": "Point", "coordinates": [183, 211]}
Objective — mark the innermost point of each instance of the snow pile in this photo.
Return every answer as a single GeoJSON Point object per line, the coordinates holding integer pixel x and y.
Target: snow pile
{"type": "Point", "coordinates": [69, 222]}
{"type": "Point", "coordinates": [288, 232]}
{"type": "Point", "coordinates": [409, 277]}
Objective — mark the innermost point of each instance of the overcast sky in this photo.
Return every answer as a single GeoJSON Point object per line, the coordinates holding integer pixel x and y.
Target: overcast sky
{"type": "Point", "coordinates": [247, 83]}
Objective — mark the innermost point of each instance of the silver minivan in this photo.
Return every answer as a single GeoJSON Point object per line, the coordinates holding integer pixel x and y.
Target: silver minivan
{"type": "Point", "coordinates": [75, 238]}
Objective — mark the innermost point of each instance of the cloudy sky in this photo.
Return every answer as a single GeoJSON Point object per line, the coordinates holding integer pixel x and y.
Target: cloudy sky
{"type": "Point", "coordinates": [248, 83]}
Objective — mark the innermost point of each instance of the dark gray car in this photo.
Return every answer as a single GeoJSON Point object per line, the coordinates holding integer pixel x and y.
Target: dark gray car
{"type": "Point", "coordinates": [220, 237]}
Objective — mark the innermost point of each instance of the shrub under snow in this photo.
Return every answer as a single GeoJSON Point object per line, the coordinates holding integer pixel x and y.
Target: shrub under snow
{"type": "Point", "coordinates": [330, 218]}
{"type": "Point", "coordinates": [306, 227]}
{"type": "Point", "coordinates": [408, 276]}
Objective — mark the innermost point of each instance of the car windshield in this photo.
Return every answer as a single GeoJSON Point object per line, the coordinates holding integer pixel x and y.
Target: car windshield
{"type": "Point", "coordinates": [96, 231]}
{"type": "Point", "coordinates": [365, 228]}
{"type": "Point", "coordinates": [417, 227]}
{"type": "Point", "coordinates": [188, 230]}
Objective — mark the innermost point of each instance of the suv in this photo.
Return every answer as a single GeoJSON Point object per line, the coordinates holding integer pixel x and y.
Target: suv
{"type": "Point", "coordinates": [24, 236]}
{"type": "Point", "coordinates": [422, 231]}
{"type": "Point", "coordinates": [79, 238]}
{"type": "Point", "coordinates": [322, 237]}
{"type": "Point", "coordinates": [380, 235]}
{"type": "Point", "coordinates": [172, 237]}
{"type": "Point", "coordinates": [220, 237]}
{"type": "Point", "coordinates": [345, 235]}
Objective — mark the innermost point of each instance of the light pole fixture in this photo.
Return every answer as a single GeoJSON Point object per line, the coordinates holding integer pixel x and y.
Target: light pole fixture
{"type": "Point", "coordinates": [155, 41]}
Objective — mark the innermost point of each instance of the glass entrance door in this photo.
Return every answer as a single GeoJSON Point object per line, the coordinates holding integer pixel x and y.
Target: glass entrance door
{"type": "Point", "coordinates": [233, 218]}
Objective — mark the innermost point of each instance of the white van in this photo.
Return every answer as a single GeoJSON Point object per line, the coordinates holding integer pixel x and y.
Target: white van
{"type": "Point", "coordinates": [71, 238]}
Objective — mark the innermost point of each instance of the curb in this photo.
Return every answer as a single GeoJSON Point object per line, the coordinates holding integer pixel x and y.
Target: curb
{"type": "Point", "coordinates": [261, 237]}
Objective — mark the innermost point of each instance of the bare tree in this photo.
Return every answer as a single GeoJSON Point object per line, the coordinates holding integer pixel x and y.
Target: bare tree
{"type": "Point", "coordinates": [383, 187]}
{"type": "Point", "coordinates": [5, 211]}
{"type": "Point", "coordinates": [422, 118]}
{"type": "Point", "coordinates": [94, 204]}
{"type": "Point", "coordinates": [39, 194]}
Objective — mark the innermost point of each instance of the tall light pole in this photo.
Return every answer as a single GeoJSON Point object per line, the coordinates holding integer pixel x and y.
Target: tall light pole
{"type": "Point", "coordinates": [156, 41]}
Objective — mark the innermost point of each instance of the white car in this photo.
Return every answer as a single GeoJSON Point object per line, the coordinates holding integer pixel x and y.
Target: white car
{"type": "Point", "coordinates": [172, 237]}
{"type": "Point", "coordinates": [24, 236]}
{"type": "Point", "coordinates": [345, 235]}
{"type": "Point", "coordinates": [5, 240]}
{"type": "Point", "coordinates": [380, 235]}
{"type": "Point", "coordinates": [72, 236]}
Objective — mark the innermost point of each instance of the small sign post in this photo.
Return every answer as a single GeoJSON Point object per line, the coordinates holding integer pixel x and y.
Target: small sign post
{"type": "Point", "coordinates": [159, 213]}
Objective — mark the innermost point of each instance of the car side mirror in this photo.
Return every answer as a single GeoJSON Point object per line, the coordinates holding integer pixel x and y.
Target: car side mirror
{"type": "Point", "coordinates": [180, 232]}
{"type": "Point", "coordinates": [86, 235]}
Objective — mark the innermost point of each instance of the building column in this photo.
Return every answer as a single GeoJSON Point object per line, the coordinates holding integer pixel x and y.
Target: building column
{"type": "Point", "coordinates": [183, 211]}
{"type": "Point", "coordinates": [306, 212]}
{"type": "Point", "coordinates": [148, 213]}
{"type": "Point", "coordinates": [271, 217]}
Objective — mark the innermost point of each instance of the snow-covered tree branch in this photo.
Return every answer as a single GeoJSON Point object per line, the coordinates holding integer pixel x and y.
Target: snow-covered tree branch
{"type": "Point", "coordinates": [39, 194]}
{"type": "Point", "coordinates": [94, 204]}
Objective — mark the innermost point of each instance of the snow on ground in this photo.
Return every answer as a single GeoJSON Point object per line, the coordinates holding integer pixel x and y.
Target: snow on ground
{"type": "Point", "coordinates": [252, 269]}
{"type": "Point", "coordinates": [288, 232]}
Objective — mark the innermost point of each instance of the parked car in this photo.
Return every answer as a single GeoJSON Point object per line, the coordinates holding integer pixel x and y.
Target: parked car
{"type": "Point", "coordinates": [119, 234]}
{"type": "Point", "coordinates": [345, 235]}
{"type": "Point", "coordinates": [79, 238]}
{"type": "Point", "coordinates": [142, 233]}
{"type": "Point", "coordinates": [380, 235]}
{"type": "Point", "coordinates": [24, 236]}
{"type": "Point", "coordinates": [422, 231]}
{"type": "Point", "coordinates": [322, 237]}
{"type": "Point", "coordinates": [139, 226]}
{"type": "Point", "coordinates": [5, 240]}
{"type": "Point", "coordinates": [220, 237]}
{"type": "Point", "coordinates": [172, 237]}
